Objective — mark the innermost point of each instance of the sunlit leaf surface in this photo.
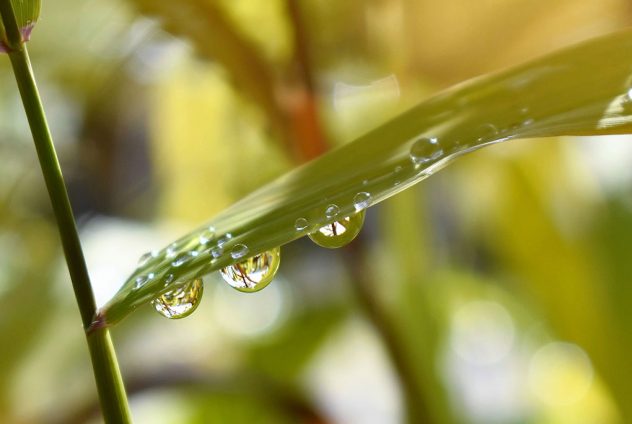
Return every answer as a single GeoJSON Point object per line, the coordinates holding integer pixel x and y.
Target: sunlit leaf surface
{"type": "Point", "coordinates": [584, 90]}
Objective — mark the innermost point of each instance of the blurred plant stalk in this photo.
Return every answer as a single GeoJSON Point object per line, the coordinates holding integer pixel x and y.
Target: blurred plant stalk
{"type": "Point", "coordinates": [106, 370]}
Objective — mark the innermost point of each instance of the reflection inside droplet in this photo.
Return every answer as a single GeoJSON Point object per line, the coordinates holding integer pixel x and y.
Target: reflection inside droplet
{"type": "Point", "coordinates": [340, 232]}
{"type": "Point", "coordinates": [180, 302]}
{"type": "Point", "coordinates": [254, 273]}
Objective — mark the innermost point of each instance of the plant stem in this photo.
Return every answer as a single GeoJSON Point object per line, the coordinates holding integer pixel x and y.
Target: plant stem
{"type": "Point", "coordinates": [415, 400]}
{"type": "Point", "coordinates": [106, 371]}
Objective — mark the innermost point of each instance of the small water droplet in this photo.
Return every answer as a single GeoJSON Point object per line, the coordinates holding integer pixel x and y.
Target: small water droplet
{"type": "Point", "coordinates": [527, 122]}
{"type": "Point", "coordinates": [398, 169]}
{"type": "Point", "coordinates": [365, 182]}
{"type": "Point", "coordinates": [169, 279]}
{"type": "Point", "coordinates": [207, 235]}
{"type": "Point", "coordinates": [362, 201]}
{"type": "Point", "coordinates": [300, 224]}
{"type": "Point", "coordinates": [254, 273]}
{"type": "Point", "coordinates": [339, 233]}
{"type": "Point", "coordinates": [141, 281]}
{"type": "Point", "coordinates": [183, 258]}
{"type": "Point", "coordinates": [171, 250]}
{"type": "Point", "coordinates": [239, 251]}
{"type": "Point", "coordinates": [144, 260]}
{"type": "Point", "coordinates": [425, 150]}
{"type": "Point", "coordinates": [332, 211]}
{"type": "Point", "coordinates": [180, 302]}
{"type": "Point", "coordinates": [224, 239]}
{"type": "Point", "coordinates": [217, 251]}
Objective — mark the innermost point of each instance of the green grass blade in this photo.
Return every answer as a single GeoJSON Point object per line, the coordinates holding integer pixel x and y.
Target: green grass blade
{"type": "Point", "coordinates": [583, 90]}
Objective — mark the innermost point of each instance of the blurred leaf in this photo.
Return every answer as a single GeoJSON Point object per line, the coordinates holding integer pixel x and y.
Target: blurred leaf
{"type": "Point", "coordinates": [551, 257]}
{"type": "Point", "coordinates": [578, 91]}
{"type": "Point", "coordinates": [413, 312]}
{"type": "Point", "coordinates": [216, 38]}
{"type": "Point", "coordinates": [285, 353]}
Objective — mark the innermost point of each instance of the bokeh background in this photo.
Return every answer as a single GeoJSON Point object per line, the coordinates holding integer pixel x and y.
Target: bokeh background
{"type": "Point", "coordinates": [497, 291]}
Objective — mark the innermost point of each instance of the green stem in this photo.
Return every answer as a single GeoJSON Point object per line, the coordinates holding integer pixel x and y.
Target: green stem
{"type": "Point", "coordinates": [415, 400]}
{"type": "Point", "coordinates": [108, 377]}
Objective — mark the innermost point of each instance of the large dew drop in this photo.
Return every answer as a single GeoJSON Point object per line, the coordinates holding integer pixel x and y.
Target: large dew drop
{"type": "Point", "coordinates": [339, 233]}
{"type": "Point", "coordinates": [254, 273]}
{"type": "Point", "coordinates": [181, 302]}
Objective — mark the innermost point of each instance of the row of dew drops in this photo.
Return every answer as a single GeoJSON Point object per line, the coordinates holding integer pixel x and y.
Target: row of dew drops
{"type": "Point", "coordinates": [256, 272]}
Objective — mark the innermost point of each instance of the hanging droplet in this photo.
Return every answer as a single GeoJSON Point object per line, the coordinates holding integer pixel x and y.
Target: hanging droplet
{"type": "Point", "coordinates": [180, 302]}
{"type": "Point", "coordinates": [239, 251]}
{"type": "Point", "coordinates": [362, 201]}
{"type": "Point", "coordinates": [300, 224]}
{"type": "Point", "coordinates": [254, 273]}
{"type": "Point", "coordinates": [332, 210]}
{"type": "Point", "coordinates": [339, 233]}
{"type": "Point", "coordinates": [207, 235]}
{"type": "Point", "coordinates": [425, 150]}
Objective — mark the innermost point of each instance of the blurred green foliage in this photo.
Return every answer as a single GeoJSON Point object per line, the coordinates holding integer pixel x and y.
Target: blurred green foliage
{"type": "Point", "coordinates": [474, 298]}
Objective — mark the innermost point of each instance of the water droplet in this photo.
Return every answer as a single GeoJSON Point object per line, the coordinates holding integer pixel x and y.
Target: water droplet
{"type": "Point", "coordinates": [425, 150]}
{"type": "Point", "coordinates": [365, 182]}
{"type": "Point", "coordinates": [207, 235]}
{"type": "Point", "coordinates": [339, 233]}
{"type": "Point", "coordinates": [180, 302]}
{"type": "Point", "coordinates": [254, 273]}
{"type": "Point", "coordinates": [144, 260]}
{"type": "Point", "coordinates": [224, 239]}
{"type": "Point", "coordinates": [239, 251]}
{"type": "Point", "coordinates": [171, 250]}
{"type": "Point", "coordinates": [300, 224]}
{"type": "Point", "coordinates": [217, 251]}
{"type": "Point", "coordinates": [142, 280]}
{"type": "Point", "coordinates": [527, 122]}
{"type": "Point", "coordinates": [331, 211]}
{"type": "Point", "coordinates": [362, 201]}
{"type": "Point", "coordinates": [169, 279]}
{"type": "Point", "coordinates": [184, 258]}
